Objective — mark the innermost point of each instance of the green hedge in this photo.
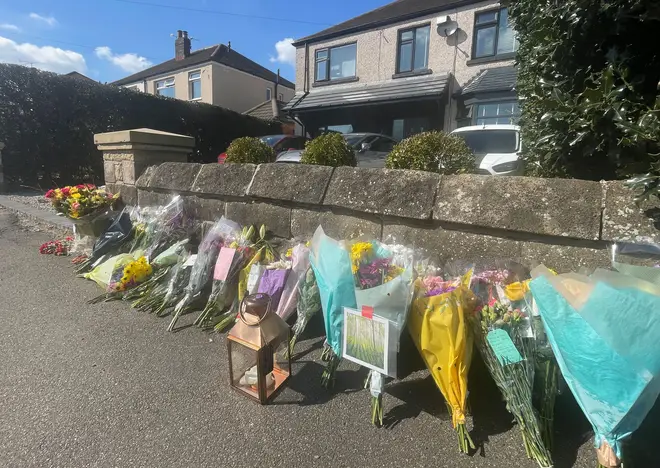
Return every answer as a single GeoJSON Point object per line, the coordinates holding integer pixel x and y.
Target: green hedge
{"type": "Point", "coordinates": [48, 122]}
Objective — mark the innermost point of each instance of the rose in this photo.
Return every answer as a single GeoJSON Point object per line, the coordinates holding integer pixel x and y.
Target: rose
{"type": "Point", "coordinates": [66, 191]}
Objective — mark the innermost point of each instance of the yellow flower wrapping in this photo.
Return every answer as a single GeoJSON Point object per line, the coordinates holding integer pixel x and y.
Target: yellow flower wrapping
{"type": "Point", "coordinates": [245, 273]}
{"type": "Point", "coordinates": [439, 328]}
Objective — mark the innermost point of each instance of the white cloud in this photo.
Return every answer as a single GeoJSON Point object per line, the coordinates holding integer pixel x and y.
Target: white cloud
{"type": "Point", "coordinates": [44, 57]}
{"type": "Point", "coordinates": [10, 27]}
{"type": "Point", "coordinates": [49, 20]}
{"type": "Point", "coordinates": [132, 63]}
{"type": "Point", "coordinates": [286, 53]}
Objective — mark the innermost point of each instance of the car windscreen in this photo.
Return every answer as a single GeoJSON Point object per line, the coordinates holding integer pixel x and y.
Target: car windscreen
{"type": "Point", "coordinates": [271, 140]}
{"type": "Point", "coordinates": [353, 140]}
{"type": "Point", "coordinates": [490, 141]}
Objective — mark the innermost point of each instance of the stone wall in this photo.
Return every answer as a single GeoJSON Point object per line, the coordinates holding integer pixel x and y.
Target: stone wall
{"type": "Point", "coordinates": [565, 224]}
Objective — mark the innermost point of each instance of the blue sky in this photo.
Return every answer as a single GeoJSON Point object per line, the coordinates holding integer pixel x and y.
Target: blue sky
{"type": "Point", "coordinates": [109, 39]}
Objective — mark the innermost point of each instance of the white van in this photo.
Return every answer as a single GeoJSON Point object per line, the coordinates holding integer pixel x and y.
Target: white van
{"type": "Point", "coordinates": [496, 147]}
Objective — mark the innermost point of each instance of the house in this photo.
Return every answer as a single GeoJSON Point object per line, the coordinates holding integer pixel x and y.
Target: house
{"type": "Point", "coordinates": [407, 67]}
{"type": "Point", "coordinates": [273, 111]}
{"type": "Point", "coordinates": [215, 75]}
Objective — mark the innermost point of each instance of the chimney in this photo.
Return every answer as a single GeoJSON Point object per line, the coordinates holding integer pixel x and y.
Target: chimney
{"type": "Point", "coordinates": [273, 98]}
{"type": "Point", "coordinates": [181, 45]}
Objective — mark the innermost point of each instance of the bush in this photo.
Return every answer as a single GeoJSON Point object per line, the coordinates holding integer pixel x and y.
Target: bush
{"type": "Point", "coordinates": [432, 152]}
{"type": "Point", "coordinates": [48, 122]}
{"type": "Point", "coordinates": [249, 150]}
{"type": "Point", "coordinates": [329, 149]}
{"type": "Point", "coordinates": [588, 83]}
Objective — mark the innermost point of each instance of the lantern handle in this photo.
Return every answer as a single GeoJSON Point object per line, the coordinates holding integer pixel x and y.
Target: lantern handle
{"type": "Point", "coordinates": [241, 312]}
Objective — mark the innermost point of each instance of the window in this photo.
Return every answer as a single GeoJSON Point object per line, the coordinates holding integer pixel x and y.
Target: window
{"type": "Point", "coordinates": [497, 113]}
{"type": "Point", "coordinates": [194, 85]}
{"type": "Point", "coordinates": [336, 63]}
{"type": "Point", "coordinates": [413, 50]}
{"type": "Point", "coordinates": [165, 87]}
{"type": "Point", "coordinates": [403, 128]}
{"type": "Point", "coordinates": [280, 97]}
{"type": "Point", "coordinates": [133, 88]}
{"type": "Point", "coordinates": [493, 35]}
{"type": "Point", "coordinates": [382, 145]}
{"type": "Point", "coordinates": [269, 94]}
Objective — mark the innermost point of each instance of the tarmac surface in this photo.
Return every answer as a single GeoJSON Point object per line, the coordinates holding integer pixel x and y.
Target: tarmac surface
{"type": "Point", "coordinates": [103, 385]}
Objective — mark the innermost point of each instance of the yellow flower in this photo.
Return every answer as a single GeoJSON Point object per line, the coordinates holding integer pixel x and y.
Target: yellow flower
{"type": "Point", "coordinates": [289, 253]}
{"type": "Point", "coordinates": [75, 196]}
{"type": "Point", "coordinates": [73, 190]}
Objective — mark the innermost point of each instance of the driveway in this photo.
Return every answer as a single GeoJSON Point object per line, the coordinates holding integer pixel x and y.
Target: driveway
{"type": "Point", "coordinates": [103, 385]}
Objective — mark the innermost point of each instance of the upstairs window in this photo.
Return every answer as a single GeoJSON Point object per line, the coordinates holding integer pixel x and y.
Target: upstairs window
{"type": "Point", "coordinates": [336, 63]}
{"type": "Point", "coordinates": [493, 34]}
{"type": "Point", "coordinates": [413, 49]}
{"type": "Point", "coordinates": [194, 86]}
{"type": "Point", "coordinates": [165, 87]}
{"type": "Point", "coordinates": [269, 94]}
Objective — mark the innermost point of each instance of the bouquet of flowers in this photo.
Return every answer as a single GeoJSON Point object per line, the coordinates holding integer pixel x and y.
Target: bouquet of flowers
{"type": "Point", "coordinates": [57, 247]}
{"type": "Point", "coordinates": [298, 256]}
{"type": "Point", "coordinates": [331, 264]}
{"type": "Point", "coordinates": [231, 259]}
{"type": "Point", "coordinates": [439, 328]}
{"type": "Point", "coordinates": [505, 338]}
{"type": "Point", "coordinates": [604, 330]}
{"type": "Point", "coordinates": [170, 291]}
{"type": "Point", "coordinates": [383, 292]}
{"type": "Point", "coordinates": [113, 239]}
{"type": "Point", "coordinates": [78, 201]}
{"type": "Point", "coordinates": [169, 225]}
{"type": "Point", "coordinates": [202, 269]}
{"type": "Point", "coordinates": [309, 303]}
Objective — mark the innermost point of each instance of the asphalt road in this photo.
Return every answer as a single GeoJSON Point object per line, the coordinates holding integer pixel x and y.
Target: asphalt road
{"type": "Point", "coordinates": [106, 386]}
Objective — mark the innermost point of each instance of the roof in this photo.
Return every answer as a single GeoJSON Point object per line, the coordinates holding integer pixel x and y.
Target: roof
{"type": "Point", "coordinates": [399, 10]}
{"type": "Point", "coordinates": [218, 53]}
{"type": "Point", "coordinates": [491, 80]}
{"type": "Point", "coordinates": [388, 91]}
{"type": "Point", "coordinates": [264, 111]}
{"type": "Point", "coordinates": [80, 76]}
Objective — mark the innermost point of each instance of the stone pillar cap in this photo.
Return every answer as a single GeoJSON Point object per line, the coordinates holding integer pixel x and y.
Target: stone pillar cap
{"type": "Point", "coordinates": [146, 136]}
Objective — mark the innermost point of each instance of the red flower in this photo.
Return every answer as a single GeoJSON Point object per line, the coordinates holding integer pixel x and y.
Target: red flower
{"type": "Point", "coordinates": [50, 193]}
{"type": "Point", "coordinates": [66, 191]}
{"type": "Point", "coordinates": [91, 186]}
{"type": "Point", "coordinates": [80, 186]}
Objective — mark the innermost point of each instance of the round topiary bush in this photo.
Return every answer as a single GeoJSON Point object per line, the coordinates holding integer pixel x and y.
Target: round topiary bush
{"type": "Point", "coordinates": [249, 150]}
{"type": "Point", "coordinates": [432, 152]}
{"type": "Point", "coordinates": [329, 149]}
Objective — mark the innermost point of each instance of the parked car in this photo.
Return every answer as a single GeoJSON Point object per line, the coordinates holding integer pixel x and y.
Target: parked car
{"type": "Point", "coordinates": [371, 149]}
{"type": "Point", "coordinates": [496, 147]}
{"type": "Point", "coordinates": [279, 143]}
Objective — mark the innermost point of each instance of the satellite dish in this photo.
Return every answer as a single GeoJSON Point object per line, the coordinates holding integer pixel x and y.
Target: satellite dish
{"type": "Point", "coordinates": [447, 28]}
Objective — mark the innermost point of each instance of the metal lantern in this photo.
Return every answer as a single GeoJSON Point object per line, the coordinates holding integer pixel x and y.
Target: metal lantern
{"type": "Point", "coordinates": [259, 362]}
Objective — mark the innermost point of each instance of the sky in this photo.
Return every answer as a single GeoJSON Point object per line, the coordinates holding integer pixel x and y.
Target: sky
{"type": "Point", "coordinates": [110, 39]}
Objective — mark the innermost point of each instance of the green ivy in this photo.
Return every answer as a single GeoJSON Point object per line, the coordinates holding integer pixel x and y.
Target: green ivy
{"type": "Point", "coordinates": [329, 149]}
{"type": "Point", "coordinates": [432, 152]}
{"type": "Point", "coordinates": [588, 80]}
{"type": "Point", "coordinates": [249, 150]}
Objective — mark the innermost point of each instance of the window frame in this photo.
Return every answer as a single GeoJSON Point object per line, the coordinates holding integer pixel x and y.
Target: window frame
{"type": "Point", "coordinates": [400, 33]}
{"type": "Point", "coordinates": [165, 80]}
{"type": "Point", "coordinates": [328, 50]}
{"type": "Point", "coordinates": [269, 94]}
{"type": "Point", "coordinates": [491, 24]}
{"type": "Point", "coordinates": [190, 85]}
{"type": "Point", "coordinates": [514, 116]}
{"type": "Point", "coordinates": [280, 97]}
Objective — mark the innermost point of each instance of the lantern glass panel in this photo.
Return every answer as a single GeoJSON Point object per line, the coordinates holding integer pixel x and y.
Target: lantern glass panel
{"type": "Point", "coordinates": [243, 362]}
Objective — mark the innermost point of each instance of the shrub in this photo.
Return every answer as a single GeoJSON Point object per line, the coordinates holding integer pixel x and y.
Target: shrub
{"type": "Point", "coordinates": [249, 150]}
{"type": "Point", "coordinates": [329, 149]}
{"type": "Point", "coordinates": [588, 79]}
{"type": "Point", "coordinates": [432, 152]}
{"type": "Point", "coordinates": [48, 122]}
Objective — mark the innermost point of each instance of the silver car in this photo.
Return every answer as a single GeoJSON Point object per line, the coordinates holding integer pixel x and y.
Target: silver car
{"type": "Point", "coordinates": [371, 149]}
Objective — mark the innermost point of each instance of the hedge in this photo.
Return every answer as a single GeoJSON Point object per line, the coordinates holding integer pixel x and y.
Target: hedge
{"type": "Point", "coordinates": [48, 122]}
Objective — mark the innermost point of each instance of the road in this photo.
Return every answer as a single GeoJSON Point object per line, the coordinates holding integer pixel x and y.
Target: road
{"type": "Point", "coordinates": [103, 385]}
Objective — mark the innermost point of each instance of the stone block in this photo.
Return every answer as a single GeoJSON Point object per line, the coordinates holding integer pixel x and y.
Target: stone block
{"type": "Point", "coordinates": [443, 246]}
{"type": "Point", "coordinates": [225, 180]}
{"type": "Point", "coordinates": [177, 177]}
{"type": "Point", "coordinates": [144, 180]}
{"type": "Point", "coordinates": [129, 194]}
{"type": "Point", "coordinates": [149, 198]}
{"type": "Point", "coordinates": [203, 208]}
{"type": "Point", "coordinates": [564, 258]}
{"type": "Point", "coordinates": [625, 221]}
{"type": "Point", "coordinates": [300, 183]}
{"type": "Point", "coordinates": [390, 192]}
{"type": "Point", "coordinates": [109, 172]}
{"type": "Point", "coordinates": [128, 172]}
{"type": "Point", "coordinates": [305, 222]}
{"type": "Point", "coordinates": [555, 207]}
{"type": "Point", "coordinates": [276, 218]}
{"type": "Point", "coordinates": [144, 136]}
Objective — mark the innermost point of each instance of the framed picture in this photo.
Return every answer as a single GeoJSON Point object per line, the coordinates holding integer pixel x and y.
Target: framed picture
{"type": "Point", "coordinates": [366, 341]}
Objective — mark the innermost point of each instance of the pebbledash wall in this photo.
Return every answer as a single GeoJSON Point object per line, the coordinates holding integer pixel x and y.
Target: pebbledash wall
{"type": "Point", "coordinates": [565, 224]}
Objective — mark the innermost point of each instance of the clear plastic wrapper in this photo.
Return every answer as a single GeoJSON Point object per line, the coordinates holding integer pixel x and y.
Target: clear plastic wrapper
{"type": "Point", "coordinates": [299, 266]}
